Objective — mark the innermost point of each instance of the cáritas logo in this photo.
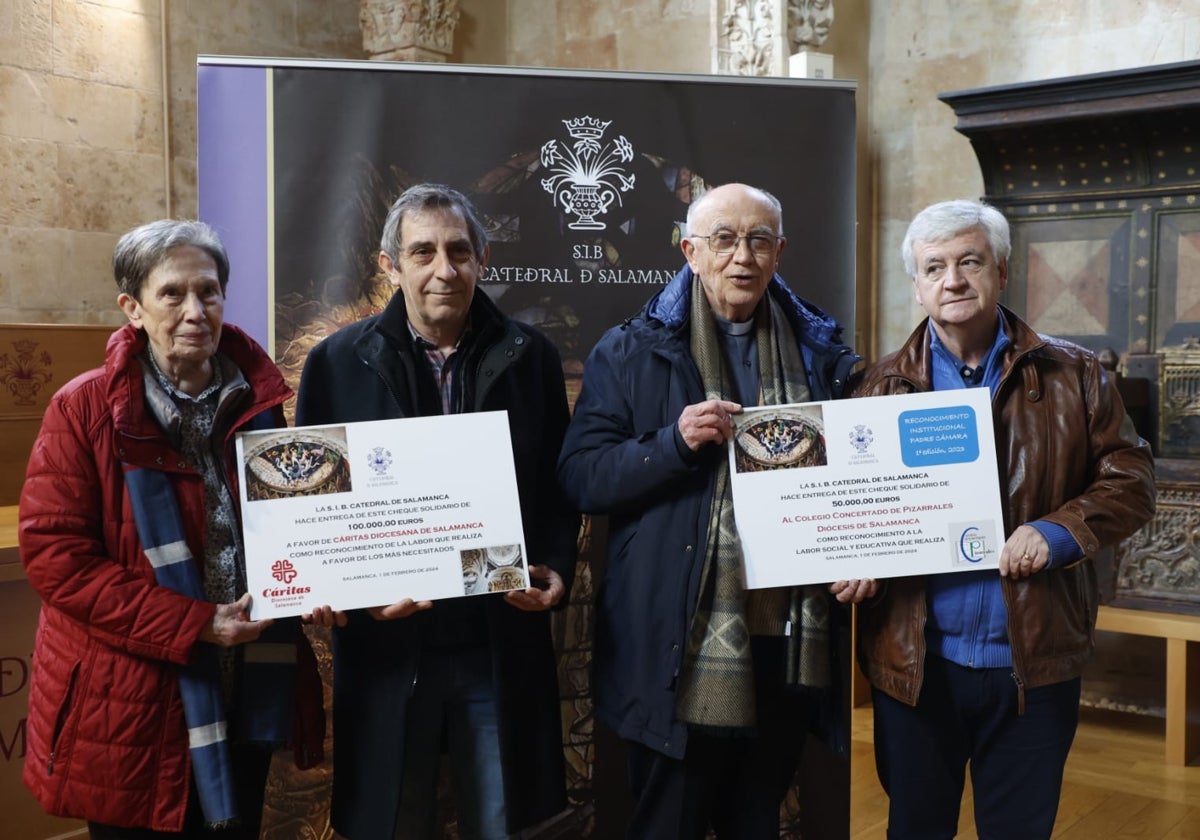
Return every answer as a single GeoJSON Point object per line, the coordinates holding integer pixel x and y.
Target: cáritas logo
{"type": "Point", "coordinates": [283, 571]}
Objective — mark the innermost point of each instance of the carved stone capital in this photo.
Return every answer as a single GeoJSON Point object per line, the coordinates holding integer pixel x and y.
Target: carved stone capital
{"type": "Point", "coordinates": [408, 30]}
{"type": "Point", "coordinates": [808, 23]}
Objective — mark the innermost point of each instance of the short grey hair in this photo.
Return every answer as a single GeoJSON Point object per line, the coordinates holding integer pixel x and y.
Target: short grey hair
{"type": "Point", "coordinates": [947, 219]}
{"type": "Point", "coordinates": [698, 205]}
{"type": "Point", "coordinates": [144, 248]}
{"type": "Point", "coordinates": [425, 197]}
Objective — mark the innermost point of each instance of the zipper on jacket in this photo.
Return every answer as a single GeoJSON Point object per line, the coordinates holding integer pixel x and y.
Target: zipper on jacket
{"type": "Point", "coordinates": [1005, 589]}
{"type": "Point", "coordinates": [60, 720]}
{"type": "Point", "coordinates": [974, 635]}
{"type": "Point", "coordinates": [1020, 694]}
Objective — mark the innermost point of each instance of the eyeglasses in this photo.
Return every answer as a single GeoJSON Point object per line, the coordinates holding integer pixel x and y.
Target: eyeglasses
{"type": "Point", "coordinates": [726, 242]}
{"type": "Point", "coordinates": [966, 267]}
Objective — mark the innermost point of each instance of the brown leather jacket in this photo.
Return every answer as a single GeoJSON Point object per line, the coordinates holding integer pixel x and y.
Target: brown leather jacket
{"type": "Point", "coordinates": [1068, 454]}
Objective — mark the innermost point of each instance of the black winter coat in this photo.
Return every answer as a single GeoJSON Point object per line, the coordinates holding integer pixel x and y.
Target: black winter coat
{"type": "Point", "coordinates": [372, 370]}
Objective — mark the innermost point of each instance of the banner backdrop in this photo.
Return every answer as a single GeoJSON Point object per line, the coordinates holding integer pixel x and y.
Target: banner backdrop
{"type": "Point", "coordinates": [583, 179]}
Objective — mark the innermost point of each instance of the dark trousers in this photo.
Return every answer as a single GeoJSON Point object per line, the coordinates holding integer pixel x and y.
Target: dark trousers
{"type": "Point", "coordinates": [733, 783]}
{"type": "Point", "coordinates": [250, 766]}
{"type": "Point", "coordinates": [455, 699]}
{"type": "Point", "coordinates": [970, 715]}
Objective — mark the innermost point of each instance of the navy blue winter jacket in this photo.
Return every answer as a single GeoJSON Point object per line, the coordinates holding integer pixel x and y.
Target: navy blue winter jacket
{"type": "Point", "coordinates": [619, 459]}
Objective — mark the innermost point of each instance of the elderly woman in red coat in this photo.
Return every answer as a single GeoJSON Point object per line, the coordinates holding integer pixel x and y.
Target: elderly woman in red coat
{"type": "Point", "coordinates": [155, 701]}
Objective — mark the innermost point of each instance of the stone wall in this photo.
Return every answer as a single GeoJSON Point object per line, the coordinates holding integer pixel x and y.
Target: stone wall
{"type": "Point", "coordinates": [649, 35]}
{"type": "Point", "coordinates": [83, 140]}
{"type": "Point", "coordinates": [918, 50]}
{"type": "Point", "coordinates": [86, 154]}
{"type": "Point", "coordinates": [83, 143]}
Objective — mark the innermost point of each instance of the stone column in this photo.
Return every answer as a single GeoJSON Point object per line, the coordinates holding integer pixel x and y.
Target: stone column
{"type": "Point", "coordinates": [408, 30]}
{"type": "Point", "coordinates": [749, 37]}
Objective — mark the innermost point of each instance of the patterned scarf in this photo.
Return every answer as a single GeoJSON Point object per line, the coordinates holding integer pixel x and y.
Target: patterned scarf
{"type": "Point", "coordinates": [717, 689]}
{"type": "Point", "coordinates": [268, 675]}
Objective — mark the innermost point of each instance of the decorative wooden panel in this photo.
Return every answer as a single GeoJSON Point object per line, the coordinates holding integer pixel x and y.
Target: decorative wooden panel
{"type": "Point", "coordinates": [1177, 314]}
{"type": "Point", "coordinates": [1099, 176]}
{"type": "Point", "coordinates": [35, 361]}
{"type": "Point", "coordinates": [1159, 566]}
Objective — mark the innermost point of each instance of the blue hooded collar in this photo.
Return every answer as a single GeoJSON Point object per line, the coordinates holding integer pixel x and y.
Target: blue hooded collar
{"type": "Point", "coordinates": [672, 307]}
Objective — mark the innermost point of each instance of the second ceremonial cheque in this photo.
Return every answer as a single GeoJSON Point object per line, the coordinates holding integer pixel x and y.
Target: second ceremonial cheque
{"type": "Point", "coordinates": [339, 515]}
{"type": "Point", "coordinates": [869, 487]}
{"type": "Point", "coordinates": [875, 487]}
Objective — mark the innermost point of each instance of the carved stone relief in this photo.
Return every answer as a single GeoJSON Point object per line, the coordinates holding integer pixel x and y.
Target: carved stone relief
{"type": "Point", "coordinates": [755, 37]}
{"type": "Point", "coordinates": [749, 37]}
{"type": "Point", "coordinates": [1179, 401]}
{"type": "Point", "coordinates": [1160, 564]}
{"type": "Point", "coordinates": [808, 23]}
{"type": "Point", "coordinates": [408, 30]}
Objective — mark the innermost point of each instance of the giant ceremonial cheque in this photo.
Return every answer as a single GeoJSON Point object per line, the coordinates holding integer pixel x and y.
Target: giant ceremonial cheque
{"type": "Point", "coordinates": [364, 514]}
{"type": "Point", "coordinates": [875, 487]}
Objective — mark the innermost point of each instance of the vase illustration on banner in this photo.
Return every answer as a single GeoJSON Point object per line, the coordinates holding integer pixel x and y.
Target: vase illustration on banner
{"type": "Point", "coordinates": [25, 373]}
{"type": "Point", "coordinates": [586, 178]}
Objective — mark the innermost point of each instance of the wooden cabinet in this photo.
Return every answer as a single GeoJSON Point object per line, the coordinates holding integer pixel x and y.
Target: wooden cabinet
{"type": "Point", "coordinates": [1099, 176]}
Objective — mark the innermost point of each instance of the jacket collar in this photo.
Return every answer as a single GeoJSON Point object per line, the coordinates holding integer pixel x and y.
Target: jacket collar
{"type": "Point", "coordinates": [912, 361]}
{"type": "Point", "coordinates": [495, 343]}
{"type": "Point", "coordinates": [161, 404]}
{"type": "Point", "coordinates": [672, 307]}
{"type": "Point", "coordinates": [235, 352]}
{"type": "Point", "coordinates": [393, 321]}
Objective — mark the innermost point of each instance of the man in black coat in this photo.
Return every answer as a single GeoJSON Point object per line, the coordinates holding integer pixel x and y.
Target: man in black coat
{"type": "Point", "coordinates": [478, 673]}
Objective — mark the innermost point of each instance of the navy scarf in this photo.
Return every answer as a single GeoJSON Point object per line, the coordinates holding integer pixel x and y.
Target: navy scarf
{"type": "Point", "coordinates": [267, 678]}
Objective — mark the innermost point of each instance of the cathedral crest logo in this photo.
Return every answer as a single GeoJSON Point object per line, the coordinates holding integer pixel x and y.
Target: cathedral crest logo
{"type": "Point", "coordinates": [586, 176]}
{"type": "Point", "coordinates": [861, 438]}
{"type": "Point", "coordinates": [379, 459]}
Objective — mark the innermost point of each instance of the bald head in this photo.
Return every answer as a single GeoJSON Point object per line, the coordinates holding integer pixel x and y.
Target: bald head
{"type": "Point", "coordinates": [700, 210]}
{"type": "Point", "coordinates": [735, 236]}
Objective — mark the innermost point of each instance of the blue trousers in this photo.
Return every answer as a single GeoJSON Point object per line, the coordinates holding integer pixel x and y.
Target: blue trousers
{"type": "Point", "coordinates": [455, 703]}
{"type": "Point", "coordinates": [970, 716]}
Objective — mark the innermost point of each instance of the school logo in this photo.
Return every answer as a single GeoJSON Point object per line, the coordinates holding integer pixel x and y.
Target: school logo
{"type": "Point", "coordinates": [974, 546]}
{"type": "Point", "coordinates": [586, 176]}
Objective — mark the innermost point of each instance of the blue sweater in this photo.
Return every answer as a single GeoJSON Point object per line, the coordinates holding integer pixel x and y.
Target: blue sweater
{"type": "Point", "coordinates": [968, 621]}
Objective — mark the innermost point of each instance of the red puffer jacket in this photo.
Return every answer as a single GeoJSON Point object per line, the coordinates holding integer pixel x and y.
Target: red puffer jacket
{"type": "Point", "coordinates": [106, 738]}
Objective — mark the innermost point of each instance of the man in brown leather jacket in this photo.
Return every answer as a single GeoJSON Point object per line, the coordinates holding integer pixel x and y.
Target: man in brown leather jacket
{"type": "Point", "coordinates": [978, 667]}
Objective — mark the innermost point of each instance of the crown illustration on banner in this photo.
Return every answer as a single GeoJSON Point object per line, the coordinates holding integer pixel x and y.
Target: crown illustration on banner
{"type": "Point", "coordinates": [586, 128]}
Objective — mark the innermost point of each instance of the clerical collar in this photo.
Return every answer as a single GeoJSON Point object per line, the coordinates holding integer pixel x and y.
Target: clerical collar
{"type": "Point", "coordinates": [734, 327]}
